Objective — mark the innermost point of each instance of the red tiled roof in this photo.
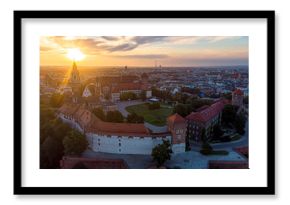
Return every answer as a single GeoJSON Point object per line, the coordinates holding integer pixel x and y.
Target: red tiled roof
{"type": "Point", "coordinates": [238, 92]}
{"type": "Point", "coordinates": [206, 114]}
{"type": "Point", "coordinates": [79, 113]}
{"type": "Point", "coordinates": [123, 129]}
{"type": "Point", "coordinates": [73, 162]}
{"type": "Point", "coordinates": [115, 90]}
{"type": "Point", "coordinates": [68, 109]}
{"type": "Point", "coordinates": [202, 108]}
{"type": "Point", "coordinates": [176, 118]}
{"type": "Point", "coordinates": [242, 150]}
{"type": "Point", "coordinates": [217, 164]}
{"type": "Point", "coordinates": [93, 124]}
{"type": "Point", "coordinates": [87, 118]}
{"type": "Point", "coordinates": [129, 86]}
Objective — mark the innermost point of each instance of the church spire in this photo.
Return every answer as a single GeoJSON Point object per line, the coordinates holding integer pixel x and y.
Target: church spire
{"type": "Point", "coordinates": [74, 65]}
{"type": "Point", "coordinates": [74, 76]}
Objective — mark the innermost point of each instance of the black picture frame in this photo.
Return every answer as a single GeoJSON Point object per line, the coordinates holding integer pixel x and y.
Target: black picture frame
{"type": "Point", "coordinates": [268, 190]}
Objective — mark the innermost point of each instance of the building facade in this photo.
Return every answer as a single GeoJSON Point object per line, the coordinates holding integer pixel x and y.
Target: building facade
{"type": "Point", "coordinates": [122, 138]}
{"type": "Point", "coordinates": [177, 126]}
{"type": "Point", "coordinates": [205, 119]}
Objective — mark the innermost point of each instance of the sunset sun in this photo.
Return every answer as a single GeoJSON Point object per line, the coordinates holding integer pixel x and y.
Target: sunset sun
{"type": "Point", "coordinates": [75, 54]}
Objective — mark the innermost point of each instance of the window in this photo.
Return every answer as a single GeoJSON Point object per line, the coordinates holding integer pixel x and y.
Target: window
{"type": "Point", "coordinates": [119, 144]}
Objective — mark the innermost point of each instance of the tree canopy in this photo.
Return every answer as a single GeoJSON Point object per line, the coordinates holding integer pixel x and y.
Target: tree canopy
{"type": "Point", "coordinates": [56, 100]}
{"type": "Point", "coordinates": [161, 153]}
{"type": "Point", "coordinates": [114, 116]}
{"type": "Point", "coordinates": [99, 112]}
{"type": "Point", "coordinates": [134, 118]}
{"type": "Point", "coordinates": [74, 143]}
{"type": "Point", "coordinates": [128, 96]}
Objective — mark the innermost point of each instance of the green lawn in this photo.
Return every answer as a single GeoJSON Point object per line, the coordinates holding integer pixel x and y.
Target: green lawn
{"type": "Point", "coordinates": [156, 117]}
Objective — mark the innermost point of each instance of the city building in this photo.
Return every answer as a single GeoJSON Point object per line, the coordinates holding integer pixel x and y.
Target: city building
{"type": "Point", "coordinates": [135, 88]}
{"type": "Point", "coordinates": [205, 118]}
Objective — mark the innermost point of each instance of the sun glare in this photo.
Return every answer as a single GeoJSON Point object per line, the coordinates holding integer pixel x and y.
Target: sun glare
{"type": "Point", "coordinates": [75, 54]}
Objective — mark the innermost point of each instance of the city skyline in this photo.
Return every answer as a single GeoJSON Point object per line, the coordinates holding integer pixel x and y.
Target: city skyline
{"type": "Point", "coordinates": [146, 51]}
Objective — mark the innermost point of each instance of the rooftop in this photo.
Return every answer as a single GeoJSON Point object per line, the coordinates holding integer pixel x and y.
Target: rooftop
{"type": "Point", "coordinates": [206, 114]}
{"type": "Point", "coordinates": [238, 92]}
{"type": "Point", "coordinates": [87, 163]}
{"type": "Point", "coordinates": [176, 118]}
{"type": "Point", "coordinates": [124, 129]}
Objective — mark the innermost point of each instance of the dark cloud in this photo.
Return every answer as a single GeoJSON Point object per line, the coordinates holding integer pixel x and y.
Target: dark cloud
{"type": "Point", "coordinates": [135, 42]}
{"type": "Point", "coordinates": [93, 45]}
{"type": "Point", "coordinates": [123, 47]}
{"type": "Point", "coordinates": [148, 39]}
{"type": "Point", "coordinates": [149, 56]}
{"type": "Point", "coordinates": [111, 38]}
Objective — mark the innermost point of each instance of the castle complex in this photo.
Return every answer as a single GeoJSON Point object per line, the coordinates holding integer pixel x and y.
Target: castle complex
{"type": "Point", "coordinates": [131, 138]}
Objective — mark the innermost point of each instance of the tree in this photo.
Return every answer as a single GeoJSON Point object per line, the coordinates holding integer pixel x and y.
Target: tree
{"type": "Point", "coordinates": [198, 103]}
{"type": "Point", "coordinates": [114, 116]}
{"type": "Point", "coordinates": [51, 151]}
{"type": "Point", "coordinates": [246, 100]}
{"type": "Point", "coordinates": [143, 95]}
{"type": "Point", "coordinates": [56, 100]}
{"type": "Point", "coordinates": [206, 149]}
{"type": "Point", "coordinates": [181, 109]}
{"type": "Point", "coordinates": [154, 106]}
{"type": "Point", "coordinates": [240, 123]}
{"type": "Point", "coordinates": [128, 96]}
{"type": "Point", "coordinates": [52, 133]}
{"type": "Point", "coordinates": [75, 143]}
{"type": "Point", "coordinates": [99, 112]}
{"type": "Point", "coordinates": [134, 118]}
{"type": "Point", "coordinates": [228, 96]}
{"type": "Point", "coordinates": [161, 153]}
{"type": "Point", "coordinates": [229, 114]}
{"type": "Point", "coordinates": [217, 132]}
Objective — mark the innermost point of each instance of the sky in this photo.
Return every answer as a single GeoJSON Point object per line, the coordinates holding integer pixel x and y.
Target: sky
{"type": "Point", "coordinates": [146, 50]}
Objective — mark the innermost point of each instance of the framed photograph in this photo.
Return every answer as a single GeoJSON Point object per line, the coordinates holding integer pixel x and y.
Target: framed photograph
{"type": "Point", "coordinates": [144, 102]}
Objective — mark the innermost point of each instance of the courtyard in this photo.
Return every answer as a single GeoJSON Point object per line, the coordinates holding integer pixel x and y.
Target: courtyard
{"type": "Point", "coordinates": [155, 117]}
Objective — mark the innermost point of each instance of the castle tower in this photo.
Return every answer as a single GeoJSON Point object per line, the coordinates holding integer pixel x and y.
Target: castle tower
{"type": "Point", "coordinates": [74, 79]}
{"type": "Point", "coordinates": [177, 125]}
{"type": "Point", "coordinates": [237, 97]}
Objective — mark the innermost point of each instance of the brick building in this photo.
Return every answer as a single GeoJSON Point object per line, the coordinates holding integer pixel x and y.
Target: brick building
{"type": "Point", "coordinates": [205, 118]}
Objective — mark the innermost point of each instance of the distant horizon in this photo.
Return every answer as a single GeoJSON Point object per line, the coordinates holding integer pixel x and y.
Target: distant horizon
{"type": "Point", "coordinates": [113, 66]}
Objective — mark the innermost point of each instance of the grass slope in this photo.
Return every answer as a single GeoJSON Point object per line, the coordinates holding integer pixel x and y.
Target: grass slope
{"type": "Point", "coordinates": [155, 117]}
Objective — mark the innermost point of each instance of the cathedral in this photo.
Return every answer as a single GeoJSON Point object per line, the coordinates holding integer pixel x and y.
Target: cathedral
{"type": "Point", "coordinates": [74, 79]}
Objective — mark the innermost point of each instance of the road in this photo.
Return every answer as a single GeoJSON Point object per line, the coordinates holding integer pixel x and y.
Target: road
{"type": "Point", "coordinates": [122, 108]}
{"type": "Point", "coordinates": [123, 104]}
